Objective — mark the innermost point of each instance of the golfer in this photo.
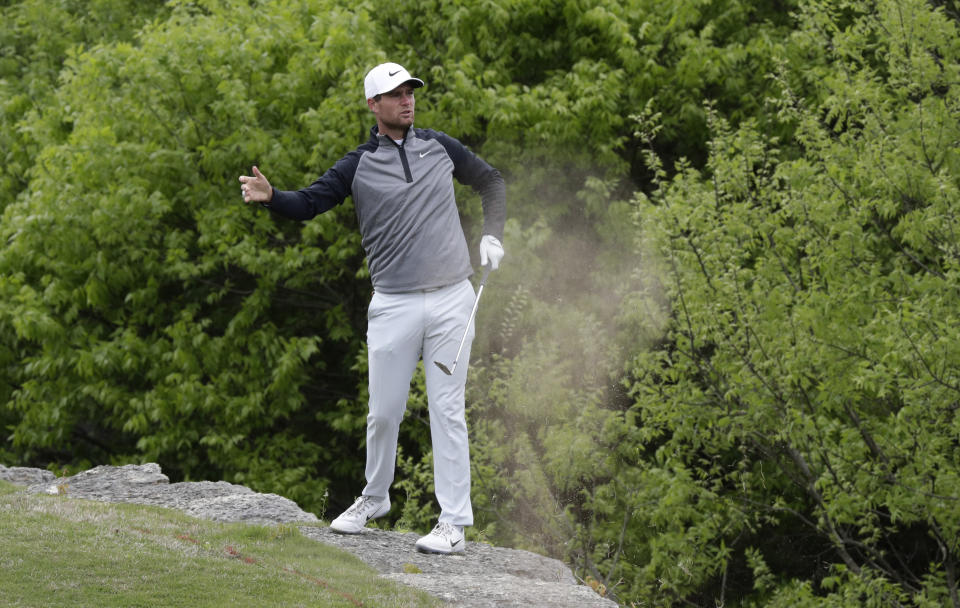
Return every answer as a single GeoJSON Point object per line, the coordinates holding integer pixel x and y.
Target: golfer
{"type": "Point", "coordinates": [401, 182]}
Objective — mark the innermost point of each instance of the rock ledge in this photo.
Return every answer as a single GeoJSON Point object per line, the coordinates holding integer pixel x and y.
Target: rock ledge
{"type": "Point", "coordinates": [482, 577]}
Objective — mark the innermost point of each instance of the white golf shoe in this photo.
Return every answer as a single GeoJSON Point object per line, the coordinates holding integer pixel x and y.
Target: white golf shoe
{"type": "Point", "coordinates": [354, 519]}
{"type": "Point", "coordinates": [444, 538]}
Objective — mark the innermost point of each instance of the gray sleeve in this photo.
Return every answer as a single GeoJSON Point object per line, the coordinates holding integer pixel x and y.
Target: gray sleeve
{"type": "Point", "coordinates": [473, 171]}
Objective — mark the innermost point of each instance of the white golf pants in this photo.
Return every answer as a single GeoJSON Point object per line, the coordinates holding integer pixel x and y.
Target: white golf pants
{"type": "Point", "coordinates": [402, 328]}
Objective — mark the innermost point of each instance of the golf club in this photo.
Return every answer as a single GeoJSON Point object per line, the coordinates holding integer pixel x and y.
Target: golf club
{"type": "Point", "coordinates": [483, 281]}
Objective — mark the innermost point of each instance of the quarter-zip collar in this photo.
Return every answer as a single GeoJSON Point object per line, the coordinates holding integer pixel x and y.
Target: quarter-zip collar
{"type": "Point", "coordinates": [379, 138]}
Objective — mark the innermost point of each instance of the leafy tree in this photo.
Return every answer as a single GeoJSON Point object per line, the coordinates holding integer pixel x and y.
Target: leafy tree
{"type": "Point", "coordinates": [35, 40]}
{"type": "Point", "coordinates": [799, 419]}
{"type": "Point", "coordinates": [158, 317]}
{"type": "Point", "coordinates": [147, 311]}
{"type": "Point", "coordinates": [34, 43]}
{"type": "Point", "coordinates": [770, 263]}
{"type": "Point", "coordinates": [550, 421]}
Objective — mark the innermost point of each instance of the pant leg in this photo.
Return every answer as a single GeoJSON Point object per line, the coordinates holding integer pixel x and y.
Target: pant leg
{"type": "Point", "coordinates": [448, 310]}
{"type": "Point", "coordinates": [394, 342]}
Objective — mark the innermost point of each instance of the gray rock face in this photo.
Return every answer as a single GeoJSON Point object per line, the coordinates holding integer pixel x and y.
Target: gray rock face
{"type": "Point", "coordinates": [482, 577]}
{"type": "Point", "coordinates": [146, 485]}
{"type": "Point", "coordinates": [24, 476]}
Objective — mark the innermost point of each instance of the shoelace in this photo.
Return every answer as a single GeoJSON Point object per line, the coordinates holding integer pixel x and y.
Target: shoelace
{"type": "Point", "coordinates": [361, 505]}
{"type": "Point", "coordinates": [444, 530]}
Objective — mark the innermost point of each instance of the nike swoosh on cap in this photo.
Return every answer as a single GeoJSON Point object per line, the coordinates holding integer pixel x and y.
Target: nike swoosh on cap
{"type": "Point", "coordinates": [392, 74]}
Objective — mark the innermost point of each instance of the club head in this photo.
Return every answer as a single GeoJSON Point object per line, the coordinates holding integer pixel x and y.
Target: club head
{"type": "Point", "coordinates": [444, 368]}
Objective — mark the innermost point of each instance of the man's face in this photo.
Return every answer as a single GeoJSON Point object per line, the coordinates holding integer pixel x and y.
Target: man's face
{"type": "Point", "coordinates": [394, 110]}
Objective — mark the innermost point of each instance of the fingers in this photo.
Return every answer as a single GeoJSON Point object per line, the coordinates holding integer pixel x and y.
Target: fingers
{"type": "Point", "coordinates": [256, 187]}
{"type": "Point", "coordinates": [246, 188]}
{"type": "Point", "coordinates": [256, 175]}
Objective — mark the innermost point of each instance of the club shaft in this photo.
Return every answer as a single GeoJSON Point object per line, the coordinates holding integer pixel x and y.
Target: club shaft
{"type": "Point", "coordinates": [466, 330]}
{"type": "Point", "coordinates": [473, 313]}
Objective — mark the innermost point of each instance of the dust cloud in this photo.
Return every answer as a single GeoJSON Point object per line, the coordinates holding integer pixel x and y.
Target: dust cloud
{"type": "Point", "coordinates": [562, 323]}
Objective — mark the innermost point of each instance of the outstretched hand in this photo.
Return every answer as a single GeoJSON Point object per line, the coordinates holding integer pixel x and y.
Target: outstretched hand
{"type": "Point", "coordinates": [256, 188]}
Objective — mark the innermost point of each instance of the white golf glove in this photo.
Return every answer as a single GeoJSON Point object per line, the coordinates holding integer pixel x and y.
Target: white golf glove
{"type": "Point", "coordinates": [490, 250]}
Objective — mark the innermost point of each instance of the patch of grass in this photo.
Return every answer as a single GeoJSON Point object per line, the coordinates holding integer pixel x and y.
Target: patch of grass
{"type": "Point", "coordinates": [67, 552]}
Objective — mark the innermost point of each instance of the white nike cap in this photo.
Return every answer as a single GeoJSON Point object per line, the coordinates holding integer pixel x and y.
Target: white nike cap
{"type": "Point", "coordinates": [386, 77]}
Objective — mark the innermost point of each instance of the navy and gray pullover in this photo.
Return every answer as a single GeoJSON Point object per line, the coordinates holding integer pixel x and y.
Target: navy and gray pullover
{"type": "Point", "coordinates": [404, 199]}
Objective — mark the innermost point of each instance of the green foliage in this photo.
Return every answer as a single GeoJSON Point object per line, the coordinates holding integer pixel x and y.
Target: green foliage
{"type": "Point", "coordinates": [807, 386]}
{"type": "Point", "coordinates": [717, 364]}
{"type": "Point", "coordinates": [148, 315]}
{"type": "Point", "coordinates": [154, 312]}
{"type": "Point", "coordinates": [34, 41]}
